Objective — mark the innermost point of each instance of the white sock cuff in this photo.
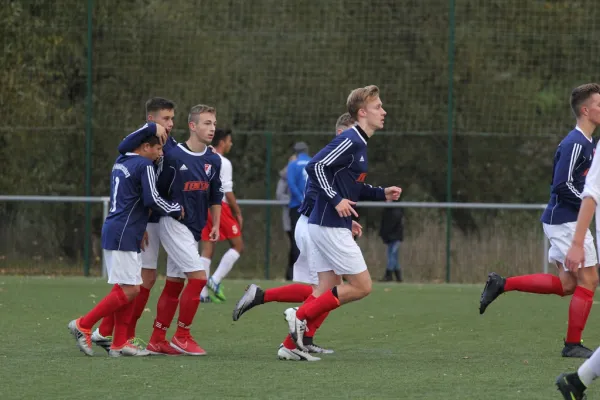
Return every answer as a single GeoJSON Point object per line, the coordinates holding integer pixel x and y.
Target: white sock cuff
{"type": "Point", "coordinates": [233, 254]}
{"type": "Point", "coordinates": [205, 263]}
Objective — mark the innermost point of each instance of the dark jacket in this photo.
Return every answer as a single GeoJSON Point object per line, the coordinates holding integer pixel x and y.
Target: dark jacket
{"type": "Point", "coordinates": [392, 226]}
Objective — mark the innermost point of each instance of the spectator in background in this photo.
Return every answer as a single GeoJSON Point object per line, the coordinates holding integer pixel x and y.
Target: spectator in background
{"type": "Point", "coordinates": [392, 233]}
{"type": "Point", "coordinates": [296, 180]}
{"type": "Point", "coordinates": [282, 193]}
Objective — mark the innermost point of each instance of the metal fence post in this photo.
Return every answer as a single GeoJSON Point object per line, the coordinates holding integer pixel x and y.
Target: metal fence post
{"type": "Point", "coordinates": [269, 145]}
{"type": "Point", "coordinates": [88, 142]}
{"type": "Point", "coordinates": [451, 29]}
{"type": "Point", "coordinates": [105, 202]}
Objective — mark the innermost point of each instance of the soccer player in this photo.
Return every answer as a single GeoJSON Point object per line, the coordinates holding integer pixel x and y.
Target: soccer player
{"type": "Point", "coordinates": [302, 272]}
{"type": "Point", "coordinates": [162, 112]}
{"type": "Point", "coordinates": [571, 164]}
{"type": "Point", "coordinates": [231, 222]}
{"type": "Point", "coordinates": [191, 176]}
{"type": "Point", "coordinates": [573, 385]}
{"type": "Point", "coordinates": [335, 253]}
{"type": "Point", "coordinates": [133, 193]}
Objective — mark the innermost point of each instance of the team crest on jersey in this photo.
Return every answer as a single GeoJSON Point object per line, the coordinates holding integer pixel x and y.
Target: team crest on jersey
{"type": "Point", "coordinates": [207, 169]}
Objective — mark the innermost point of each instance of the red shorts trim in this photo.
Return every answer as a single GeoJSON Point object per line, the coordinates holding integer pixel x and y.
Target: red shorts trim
{"type": "Point", "coordinates": [228, 228]}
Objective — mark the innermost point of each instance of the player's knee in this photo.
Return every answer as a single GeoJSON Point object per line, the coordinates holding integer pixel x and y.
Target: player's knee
{"type": "Point", "coordinates": [365, 289]}
{"type": "Point", "coordinates": [568, 287]}
{"type": "Point", "coordinates": [148, 278]}
{"type": "Point", "coordinates": [207, 253]}
{"type": "Point", "coordinates": [131, 291]}
{"type": "Point", "coordinates": [238, 246]}
{"type": "Point", "coordinates": [590, 281]}
{"type": "Point", "coordinates": [135, 290]}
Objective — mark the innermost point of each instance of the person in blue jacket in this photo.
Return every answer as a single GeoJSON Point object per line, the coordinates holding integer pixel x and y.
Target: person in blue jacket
{"type": "Point", "coordinates": [296, 178]}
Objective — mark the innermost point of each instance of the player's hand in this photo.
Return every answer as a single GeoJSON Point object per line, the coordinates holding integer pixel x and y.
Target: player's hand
{"type": "Point", "coordinates": [575, 257]}
{"type": "Point", "coordinates": [213, 236]}
{"type": "Point", "coordinates": [344, 208]}
{"type": "Point", "coordinates": [240, 220]}
{"type": "Point", "coordinates": [182, 215]}
{"type": "Point", "coordinates": [161, 134]}
{"type": "Point", "coordinates": [356, 229]}
{"type": "Point", "coordinates": [392, 193]}
{"type": "Point", "coordinates": [145, 242]}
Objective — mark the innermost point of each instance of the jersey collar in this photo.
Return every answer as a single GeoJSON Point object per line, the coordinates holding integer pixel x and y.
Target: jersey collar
{"type": "Point", "coordinates": [581, 131]}
{"type": "Point", "coordinates": [361, 133]}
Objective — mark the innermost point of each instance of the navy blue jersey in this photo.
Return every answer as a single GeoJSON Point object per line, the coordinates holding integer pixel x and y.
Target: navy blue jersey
{"type": "Point", "coordinates": [339, 171]}
{"type": "Point", "coordinates": [192, 180]}
{"type": "Point", "coordinates": [133, 194]}
{"type": "Point", "coordinates": [572, 161]}
{"type": "Point", "coordinates": [135, 139]}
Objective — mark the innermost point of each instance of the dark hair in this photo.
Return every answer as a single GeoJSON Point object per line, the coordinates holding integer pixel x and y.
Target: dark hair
{"type": "Point", "coordinates": [151, 140]}
{"type": "Point", "coordinates": [581, 94]}
{"type": "Point", "coordinates": [158, 103]}
{"type": "Point", "coordinates": [220, 136]}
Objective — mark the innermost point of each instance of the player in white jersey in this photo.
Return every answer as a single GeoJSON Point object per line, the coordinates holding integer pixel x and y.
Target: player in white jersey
{"type": "Point", "coordinates": [231, 223]}
{"type": "Point", "coordinates": [573, 386]}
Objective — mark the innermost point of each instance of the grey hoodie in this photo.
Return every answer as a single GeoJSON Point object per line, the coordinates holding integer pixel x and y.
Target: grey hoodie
{"type": "Point", "coordinates": [283, 193]}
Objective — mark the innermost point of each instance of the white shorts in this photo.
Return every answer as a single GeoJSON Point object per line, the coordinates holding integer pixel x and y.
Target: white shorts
{"type": "Point", "coordinates": [561, 236]}
{"type": "Point", "coordinates": [150, 254]}
{"type": "Point", "coordinates": [123, 267]}
{"type": "Point", "coordinates": [181, 247]}
{"type": "Point", "coordinates": [336, 251]}
{"type": "Point", "coordinates": [303, 272]}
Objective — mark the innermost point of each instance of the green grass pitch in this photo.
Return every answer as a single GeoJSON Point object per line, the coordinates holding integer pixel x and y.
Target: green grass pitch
{"type": "Point", "coordinates": [402, 342]}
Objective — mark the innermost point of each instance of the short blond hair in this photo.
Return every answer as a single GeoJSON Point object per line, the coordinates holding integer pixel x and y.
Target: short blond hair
{"type": "Point", "coordinates": [199, 109]}
{"type": "Point", "coordinates": [344, 121]}
{"type": "Point", "coordinates": [359, 97]}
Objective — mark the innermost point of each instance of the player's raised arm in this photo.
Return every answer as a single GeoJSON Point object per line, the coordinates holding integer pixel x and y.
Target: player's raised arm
{"type": "Point", "coordinates": [562, 181]}
{"type": "Point", "coordinates": [320, 168]}
{"type": "Point", "coordinates": [134, 139]}
{"type": "Point", "coordinates": [153, 199]}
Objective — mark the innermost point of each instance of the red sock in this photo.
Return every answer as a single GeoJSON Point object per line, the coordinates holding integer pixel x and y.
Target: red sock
{"type": "Point", "coordinates": [314, 324]}
{"type": "Point", "coordinates": [108, 305]}
{"type": "Point", "coordinates": [289, 343]}
{"type": "Point", "coordinates": [165, 309]}
{"type": "Point", "coordinates": [190, 300]}
{"type": "Point", "coordinates": [324, 303]}
{"type": "Point", "coordinates": [122, 318]}
{"type": "Point", "coordinates": [536, 283]}
{"type": "Point", "coordinates": [139, 303]}
{"type": "Point", "coordinates": [579, 310]}
{"type": "Point", "coordinates": [107, 325]}
{"type": "Point", "coordinates": [294, 293]}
